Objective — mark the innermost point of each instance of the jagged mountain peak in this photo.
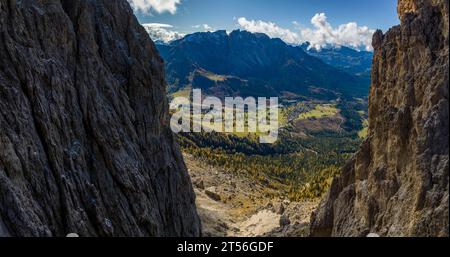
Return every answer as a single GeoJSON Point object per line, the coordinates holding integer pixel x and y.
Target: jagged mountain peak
{"type": "Point", "coordinates": [270, 66]}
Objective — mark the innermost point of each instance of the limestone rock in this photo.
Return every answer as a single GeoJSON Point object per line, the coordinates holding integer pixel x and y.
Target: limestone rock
{"type": "Point", "coordinates": [398, 182]}
{"type": "Point", "coordinates": [198, 183]}
{"type": "Point", "coordinates": [211, 192]}
{"type": "Point", "coordinates": [284, 221]}
{"type": "Point", "coordinates": [278, 208]}
{"type": "Point", "coordinates": [85, 145]}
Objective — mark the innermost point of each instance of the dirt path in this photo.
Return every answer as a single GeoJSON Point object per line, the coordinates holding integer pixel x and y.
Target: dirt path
{"type": "Point", "coordinates": [232, 204]}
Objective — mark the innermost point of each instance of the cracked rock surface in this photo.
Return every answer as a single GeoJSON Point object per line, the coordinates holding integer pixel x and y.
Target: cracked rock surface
{"type": "Point", "coordinates": [85, 144]}
{"type": "Point", "coordinates": [398, 183]}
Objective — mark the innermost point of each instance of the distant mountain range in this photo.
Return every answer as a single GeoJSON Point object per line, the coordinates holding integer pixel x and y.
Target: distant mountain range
{"type": "Point", "coordinates": [358, 63]}
{"type": "Point", "coordinates": [253, 64]}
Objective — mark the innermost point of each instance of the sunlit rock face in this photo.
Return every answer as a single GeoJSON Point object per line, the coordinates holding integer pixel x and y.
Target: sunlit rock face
{"type": "Point", "coordinates": [397, 184]}
{"type": "Point", "coordinates": [85, 145]}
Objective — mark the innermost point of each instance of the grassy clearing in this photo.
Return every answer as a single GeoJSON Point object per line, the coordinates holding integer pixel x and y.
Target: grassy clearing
{"type": "Point", "coordinates": [320, 111]}
{"type": "Point", "coordinates": [364, 132]}
{"type": "Point", "coordinates": [212, 76]}
{"type": "Point", "coordinates": [261, 130]}
{"type": "Point", "coordinates": [283, 117]}
{"type": "Point", "coordinates": [184, 92]}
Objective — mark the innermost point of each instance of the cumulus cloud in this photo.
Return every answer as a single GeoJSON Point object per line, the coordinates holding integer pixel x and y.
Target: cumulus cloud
{"type": "Point", "coordinates": [322, 34]}
{"type": "Point", "coordinates": [349, 34]}
{"type": "Point", "coordinates": [162, 32]}
{"type": "Point", "coordinates": [269, 28]}
{"type": "Point", "coordinates": [159, 6]}
{"type": "Point", "coordinates": [205, 27]}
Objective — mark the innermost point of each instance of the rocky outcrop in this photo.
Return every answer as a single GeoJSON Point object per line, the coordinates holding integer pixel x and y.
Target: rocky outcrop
{"type": "Point", "coordinates": [398, 183]}
{"type": "Point", "coordinates": [85, 145]}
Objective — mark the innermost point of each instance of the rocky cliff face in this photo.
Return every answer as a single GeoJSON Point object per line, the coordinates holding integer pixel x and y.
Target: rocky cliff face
{"type": "Point", "coordinates": [398, 183]}
{"type": "Point", "coordinates": [85, 145]}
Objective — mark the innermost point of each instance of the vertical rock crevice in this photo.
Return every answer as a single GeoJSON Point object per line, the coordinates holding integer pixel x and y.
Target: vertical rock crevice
{"type": "Point", "coordinates": [85, 145]}
{"type": "Point", "coordinates": [397, 184]}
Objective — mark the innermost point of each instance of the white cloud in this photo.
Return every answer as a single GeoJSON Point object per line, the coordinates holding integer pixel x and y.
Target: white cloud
{"type": "Point", "coordinates": [159, 6]}
{"type": "Point", "coordinates": [205, 27]}
{"type": "Point", "coordinates": [322, 34]}
{"type": "Point", "coordinates": [349, 34]}
{"type": "Point", "coordinates": [269, 28]}
{"type": "Point", "coordinates": [162, 32]}
{"type": "Point", "coordinates": [296, 23]}
{"type": "Point", "coordinates": [157, 25]}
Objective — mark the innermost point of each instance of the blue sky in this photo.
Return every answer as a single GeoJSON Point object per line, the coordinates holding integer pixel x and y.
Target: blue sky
{"type": "Point", "coordinates": [278, 16]}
